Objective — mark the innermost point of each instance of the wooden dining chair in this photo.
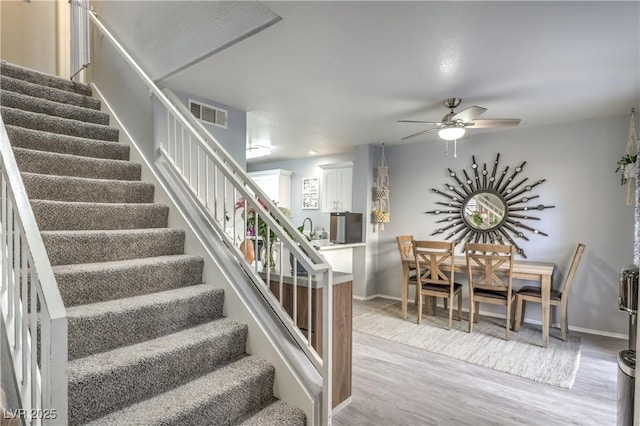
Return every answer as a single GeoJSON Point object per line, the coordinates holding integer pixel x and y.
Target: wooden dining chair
{"type": "Point", "coordinates": [405, 247]}
{"type": "Point", "coordinates": [558, 297]}
{"type": "Point", "coordinates": [430, 257]}
{"type": "Point", "coordinates": [490, 272]}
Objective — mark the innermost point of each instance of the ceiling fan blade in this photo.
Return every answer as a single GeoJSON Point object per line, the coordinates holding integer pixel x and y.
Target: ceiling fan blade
{"type": "Point", "coordinates": [468, 114]}
{"type": "Point", "coordinates": [418, 121]}
{"type": "Point", "coordinates": [493, 122]}
{"type": "Point", "coordinates": [419, 133]}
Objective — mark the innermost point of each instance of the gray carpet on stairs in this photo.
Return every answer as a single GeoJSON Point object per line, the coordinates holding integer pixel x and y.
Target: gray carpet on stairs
{"type": "Point", "coordinates": [90, 246]}
{"type": "Point", "coordinates": [64, 126]}
{"type": "Point", "coordinates": [63, 215]}
{"type": "Point", "coordinates": [64, 144]}
{"type": "Point", "coordinates": [134, 373]}
{"type": "Point", "coordinates": [53, 163]}
{"type": "Point", "coordinates": [33, 104]}
{"type": "Point", "coordinates": [221, 397]}
{"type": "Point", "coordinates": [103, 326]}
{"type": "Point", "coordinates": [9, 84]}
{"type": "Point", "coordinates": [33, 76]}
{"type": "Point", "coordinates": [72, 188]}
{"type": "Point", "coordinates": [147, 340]}
{"type": "Point", "coordinates": [94, 282]}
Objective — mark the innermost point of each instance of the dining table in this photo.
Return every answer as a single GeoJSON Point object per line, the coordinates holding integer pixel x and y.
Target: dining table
{"type": "Point", "coordinates": [541, 272]}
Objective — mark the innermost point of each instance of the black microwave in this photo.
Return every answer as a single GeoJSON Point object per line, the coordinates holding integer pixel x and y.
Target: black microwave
{"type": "Point", "coordinates": [345, 228]}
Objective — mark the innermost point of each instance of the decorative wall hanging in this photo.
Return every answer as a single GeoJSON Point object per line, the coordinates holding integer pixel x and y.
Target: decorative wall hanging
{"type": "Point", "coordinates": [381, 203]}
{"type": "Point", "coordinates": [627, 165]}
{"type": "Point", "coordinates": [488, 207]}
{"type": "Point", "coordinates": [310, 190]}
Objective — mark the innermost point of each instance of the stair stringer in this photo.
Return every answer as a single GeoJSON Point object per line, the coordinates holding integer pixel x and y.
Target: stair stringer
{"type": "Point", "coordinates": [296, 379]}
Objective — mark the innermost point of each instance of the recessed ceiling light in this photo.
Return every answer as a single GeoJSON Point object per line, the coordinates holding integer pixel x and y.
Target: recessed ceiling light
{"type": "Point", "coordinates": [312, 152]}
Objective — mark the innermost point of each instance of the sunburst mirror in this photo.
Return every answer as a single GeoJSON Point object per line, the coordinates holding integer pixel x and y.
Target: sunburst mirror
{"type": "Point", "coordinates": [488, 207]}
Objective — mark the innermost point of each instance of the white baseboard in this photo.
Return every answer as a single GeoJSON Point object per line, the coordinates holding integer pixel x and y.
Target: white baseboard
{"type": "Point", "coordinates": [382, 296]}
{"type": "Point", "coordinates": [527, 321]}
{"type": "Point", "coordinates": [343, 404]}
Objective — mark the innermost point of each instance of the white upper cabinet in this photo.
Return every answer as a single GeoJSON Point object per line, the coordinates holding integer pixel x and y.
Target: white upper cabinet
{"type": "Point", "coordinates": [276, 184]}
{"type": "Point", "coordinates": [336, 187]}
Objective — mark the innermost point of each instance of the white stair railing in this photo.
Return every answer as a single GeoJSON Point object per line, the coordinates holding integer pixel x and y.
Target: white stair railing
{"type": "Point", "coordinates": [80, 39]}
{"type": "Point", "coordinates": [243, 215]}
{"type": "Point", "coordinates": [31, 306]}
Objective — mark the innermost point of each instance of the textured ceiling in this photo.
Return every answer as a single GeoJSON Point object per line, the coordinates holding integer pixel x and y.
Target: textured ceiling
{"type": "Point", "coordinates": [165, 36]}
{"type": "Point", "coordinates": [331, 75]}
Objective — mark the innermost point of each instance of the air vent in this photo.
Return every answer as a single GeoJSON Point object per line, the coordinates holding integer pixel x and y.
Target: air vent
{"type": "Point", "coordinates": [208, 114]}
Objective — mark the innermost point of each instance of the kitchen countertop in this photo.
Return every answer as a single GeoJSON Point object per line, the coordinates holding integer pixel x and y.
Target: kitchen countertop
{"type": "Point", "coordinates": [326, 245]}
{"type": "Point", "coordinates": [287, 278]}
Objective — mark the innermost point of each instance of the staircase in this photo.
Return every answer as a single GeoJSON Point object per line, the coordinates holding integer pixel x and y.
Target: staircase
{"type": "Point", "coordinates": [147, 341]}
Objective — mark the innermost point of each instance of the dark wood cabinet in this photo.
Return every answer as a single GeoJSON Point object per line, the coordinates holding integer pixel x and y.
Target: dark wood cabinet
{"type": "Point", "coordinates": [342, 336]}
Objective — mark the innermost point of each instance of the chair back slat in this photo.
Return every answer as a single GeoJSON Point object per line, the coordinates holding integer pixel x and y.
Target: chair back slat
{"type": "Point", "coordinates": [495, 266]}
{"type": "Point", "coordinates": [430, 256]}
{"type": "Point", "coordinates": [572, 270]}
{"type": "Point", "coordinates": [405, 246]}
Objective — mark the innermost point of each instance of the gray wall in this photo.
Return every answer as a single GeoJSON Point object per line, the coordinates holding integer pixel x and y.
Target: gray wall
{"type": "Point", "coordinates": [366, 158]}
{"type": "Point", "coordinates": [578, 160]}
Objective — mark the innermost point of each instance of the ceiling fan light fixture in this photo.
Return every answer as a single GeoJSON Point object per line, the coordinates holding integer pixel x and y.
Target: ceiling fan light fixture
{"type": "Point", "coordinates": [451, 133]}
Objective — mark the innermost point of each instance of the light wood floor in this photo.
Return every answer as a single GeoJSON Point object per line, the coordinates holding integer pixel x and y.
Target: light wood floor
{"type": "Point", "coordinates": [395, 384]}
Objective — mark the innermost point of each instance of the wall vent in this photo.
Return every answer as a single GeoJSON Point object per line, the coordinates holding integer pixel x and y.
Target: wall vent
{"type": "Point", "coordinates": [208, 114]}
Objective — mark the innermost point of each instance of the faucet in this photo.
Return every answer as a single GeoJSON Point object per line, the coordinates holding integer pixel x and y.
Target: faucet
{"type": "Point", "coordinates": [311, 233]}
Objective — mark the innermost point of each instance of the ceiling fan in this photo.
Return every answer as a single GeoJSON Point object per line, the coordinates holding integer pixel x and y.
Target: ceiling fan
{"type": "Point", "coordinates": [453, 125]}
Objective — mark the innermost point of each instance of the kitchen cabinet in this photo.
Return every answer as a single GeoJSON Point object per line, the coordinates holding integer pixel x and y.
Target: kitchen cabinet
{"type": "Point", "coordinates": [336, 185]}
{"type": "Point", "coordinates": [342, 323]}
{"type": "Point", "coordinates": [276, 184]}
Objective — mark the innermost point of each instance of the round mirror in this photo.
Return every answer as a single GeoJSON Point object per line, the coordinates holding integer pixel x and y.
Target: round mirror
{"type": "Point", "coordinates": [484, 210]}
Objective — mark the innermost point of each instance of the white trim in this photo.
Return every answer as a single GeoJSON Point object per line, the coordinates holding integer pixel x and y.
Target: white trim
{"type": "Point", "coordinates": [281, 172]}
{"type": "Point", "coordinates": [63, 38]}
{"type": "Point", "coordinates": [382, 296]}
{"type": "Point", "coordinates": [343, 165]}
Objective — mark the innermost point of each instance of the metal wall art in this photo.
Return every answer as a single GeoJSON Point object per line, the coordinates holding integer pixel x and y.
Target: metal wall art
{"type": "Point", "coordinates": [488, 207]}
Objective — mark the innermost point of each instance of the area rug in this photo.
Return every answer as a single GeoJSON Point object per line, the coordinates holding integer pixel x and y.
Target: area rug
{"type": "Point", "coordinates": [522, 355]}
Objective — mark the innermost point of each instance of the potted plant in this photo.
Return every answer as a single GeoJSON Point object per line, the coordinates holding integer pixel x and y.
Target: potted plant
{"type": "Point", "coordinates": [255, 226]}
{"type": "Point", "coordinates": [627, 167]}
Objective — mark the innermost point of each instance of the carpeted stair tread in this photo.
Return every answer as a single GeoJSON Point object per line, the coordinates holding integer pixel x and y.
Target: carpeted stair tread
{"type": "Point", "coordinates": [70, 188]}
{"type": "Point", "coordinates": [49, 93]}
{"type": "Point", "coordinates": [66, 215]}
{"type": "Point", "coordinates": [57, 109]}
{"type": "Point", "coordinates": [85, 283]}
{"type": "Point", "coordinates": [219, 398]}
{"type": "Point", "coordinates": [38, 77]}
{"type": "Point", "coordinates": [103, 326]}
{"type": "Point", "coordinates": [102, 383]}
{"type": "Point", "coordinates": [278, 413]}
{"type": "Point", "coordinates": [53, 163]}
{"type": "Point", "coordinates": [63, 126]}
{"type": "Point", "coordinates": [52, 142]}
{"type": "Point", "coordinates": [82, 246]}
